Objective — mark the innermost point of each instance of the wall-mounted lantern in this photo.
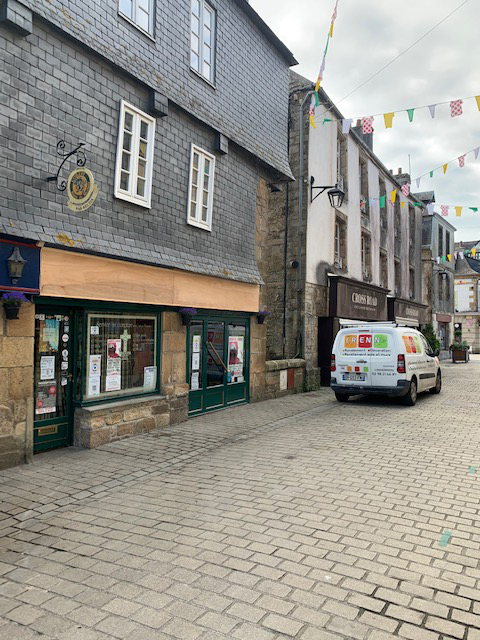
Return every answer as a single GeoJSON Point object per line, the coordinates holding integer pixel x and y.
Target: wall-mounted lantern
{"type": "Point", "coordinates": [16, 263]}
{"type": "Point", "coordinates": [335, 195]}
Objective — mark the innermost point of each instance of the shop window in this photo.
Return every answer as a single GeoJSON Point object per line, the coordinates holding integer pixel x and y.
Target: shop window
{"type": "Point", "coordinates": [342, 164]}
{"type": "Point", "coordinates": [236, 352]}
{"type": "Point", "coordinates": [366, 257]}
{"type": "Point", "coordinates": [134, 164]}
{"type": "Point", "coordinates": [363, 184]}
{"type": "Point", "coordinates": [202, 48]}
{"type": "Point", "coordinates": [340, 248]}
{"type": "Point", "coordinates": [140, 12]}
{"type": "Point", "coordinates": [121, 355]}
{"type": "Point", "coordinates": [202, 170]}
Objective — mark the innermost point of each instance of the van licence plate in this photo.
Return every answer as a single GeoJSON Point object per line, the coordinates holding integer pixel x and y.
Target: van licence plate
{"type": "Point", "coordinates": [358, 377]}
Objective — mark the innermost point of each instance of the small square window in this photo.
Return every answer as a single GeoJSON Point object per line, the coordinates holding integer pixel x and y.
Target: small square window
{"type": "Point", "coordinates": [134, 165]}
{"type": "Point", "coordinates": [202, 41]}
{"type": "Point", "coordinates": [140, 12]}
{"type": "Point", "coordinates": [200, 199]}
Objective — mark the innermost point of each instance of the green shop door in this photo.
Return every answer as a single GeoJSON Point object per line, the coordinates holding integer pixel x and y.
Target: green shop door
{"type": "Point", "coordinates": [218, 354]}
{"type": "Point", "coordinates": [53, 417]}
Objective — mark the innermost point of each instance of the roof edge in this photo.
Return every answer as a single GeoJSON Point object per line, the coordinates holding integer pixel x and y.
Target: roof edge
{"type": "Point", "coordinates": [267, 32]}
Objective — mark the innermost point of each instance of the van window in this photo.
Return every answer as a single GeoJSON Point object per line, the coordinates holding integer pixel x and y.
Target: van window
{"type": "Point", "coordinates": [426, 346]}
{"type": "Point", "coordinates": [412, 344]}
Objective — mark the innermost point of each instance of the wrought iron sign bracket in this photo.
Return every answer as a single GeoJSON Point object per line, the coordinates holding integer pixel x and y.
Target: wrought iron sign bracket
{"type": "Point", "coordinates": [81, 161]}
{"type": "Point", "coordinates": [319, 189]}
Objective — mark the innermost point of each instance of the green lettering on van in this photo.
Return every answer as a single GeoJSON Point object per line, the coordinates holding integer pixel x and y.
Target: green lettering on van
{"type": "Point", "coordinates": [380, 341]}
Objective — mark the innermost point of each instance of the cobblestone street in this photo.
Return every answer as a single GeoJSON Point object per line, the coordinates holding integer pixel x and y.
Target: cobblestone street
{"type": "Point", "coordinates": [294, 518]}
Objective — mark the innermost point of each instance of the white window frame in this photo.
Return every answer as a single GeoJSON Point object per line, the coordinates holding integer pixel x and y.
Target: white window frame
{"type": "Point", "coordinates": [201, 40]}
{"type": "Point", "coordinates": [135, 9]}
{"type": "Point", "coordinates": [196, 220]}
{"type": "Point", "coordinates": [131, 194]}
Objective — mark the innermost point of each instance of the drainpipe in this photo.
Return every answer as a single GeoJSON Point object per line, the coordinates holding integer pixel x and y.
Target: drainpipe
{"type": "Point", "coordinates": [301, 178]}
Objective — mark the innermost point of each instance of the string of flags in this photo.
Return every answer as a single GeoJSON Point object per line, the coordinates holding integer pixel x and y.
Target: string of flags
{"type": "Point", "coordinates": [314, 101]}
{"type": "Point", "coordinates": [456, 109]}
{"type": "Point", "coordinates": [391, 198]}
{"type": "Point", "coordinates": [457, 255]}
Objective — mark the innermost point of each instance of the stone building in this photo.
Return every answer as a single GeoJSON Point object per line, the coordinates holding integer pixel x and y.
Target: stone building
{"type": "Point", "coordinates": [359, 261]}
{"type": "Point", "coordinates": [438, 274]}
{"type": "Point", "coordinates": [166, 111]}
{"type": "Point", "coordinates": [467, 295]}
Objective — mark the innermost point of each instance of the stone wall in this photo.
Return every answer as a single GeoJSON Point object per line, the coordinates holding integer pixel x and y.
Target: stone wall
{"type": "Point", "coordinates": [316, 305]}
{"type": "Point", "coordinates": [173, 380]}
{"type": "Point", "coordinates": [284, 377]}
{"type": "Point", "coordinates": [16, 386]}
{"type": "Point", "coordinates": [103, 423]}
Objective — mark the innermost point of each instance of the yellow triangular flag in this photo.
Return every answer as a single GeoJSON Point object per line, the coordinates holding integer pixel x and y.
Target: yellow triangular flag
{"type": "Point", "coordinates": [402, 204]}
{"type": "Point", "coordinates": [477, 98]}
{"type": "Point", "coordinates": [317, 86]}
{"type": "Point", "coordinates": [393, 197]}
{"type": "Point", "coordinates": [449, 257]}
{"type": "Point", "coordinates": [445, 168]}
{"type": "Point", "coordinates": [388, 117]}
{"type": "Point", "coordinates": [331, 30]}
{"type": "Point", "coordinates": [474, 252]}
{"type": "Point", "coordinates": [312, 122]}
{"type": "Point", "coordinates": [458, 213]}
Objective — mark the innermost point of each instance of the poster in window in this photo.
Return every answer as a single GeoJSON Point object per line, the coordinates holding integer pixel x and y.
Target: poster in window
{"type": "Point", "coordinates": [95, 362]}
{"type": "Point", "coordinates": [194, 384]}
{"type": "Point", "coordinates": [46, 400]}
{"type": "Point", "coordinates": [196, 344]}
{"type": "Point", "coordinates": [49, 334]}
{"type": "Point", "coordinates": [114, 348]}
{"type": "Point", "coordinates": [195, 361]}
{"type": "Point", "coordinates": [93, 386]}
{"type": "Point", "coordinates": [236, 355]}
{"type": "Point", "coordinates": [113, 380]}
{"type": "Point", "coordinates": [47, 367]}
{"type": "Point", "coordinates": [149, 378]}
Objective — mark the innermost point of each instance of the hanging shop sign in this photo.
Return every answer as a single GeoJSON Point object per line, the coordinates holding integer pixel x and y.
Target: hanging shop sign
{"type": "Point", "coordinates": [81, 190]}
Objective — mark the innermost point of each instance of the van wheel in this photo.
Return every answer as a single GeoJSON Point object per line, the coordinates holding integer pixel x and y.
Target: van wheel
{"type": "Point", "coordinates": [438, 386]}
{"type": "Point", "coordinates": [342, 397]}
{"type": "Point", "coordinates": [411, 397]}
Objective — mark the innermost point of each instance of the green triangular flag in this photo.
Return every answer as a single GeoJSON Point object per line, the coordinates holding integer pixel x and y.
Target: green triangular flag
{"type": "Point", "coordinates": [443, 258]}
{"type": "Point", "coordinates": [410, 114]}
{"type": "Point", "coordinates": [317, 101]}
{"type": "Point", "coordinates": [417, 204]}
{"type": "Point", "coordinates": [431, 174]}
{"type": "Point", "coordinates": [475, 209]}
{"type": "Point", "coordinates": [326, 120]}
{"type": "Point", "coordinates": [382, 201]}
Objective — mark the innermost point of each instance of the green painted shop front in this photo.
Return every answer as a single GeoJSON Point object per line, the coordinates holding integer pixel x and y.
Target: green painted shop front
{"type": "Point", "coordinates": [218, 357]}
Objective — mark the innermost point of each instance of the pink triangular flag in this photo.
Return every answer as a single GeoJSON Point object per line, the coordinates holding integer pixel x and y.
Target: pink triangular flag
{"type": "Point", "coordinates": [367, 125]}
{"type": "Point", "coordinates": [444, 208]}
{"type": "Point", "coordinates": [461, 161]}
{"type": "Point", "coordinates": [406, 189]}
{"type": "Point", "coordinates": [432, 108]}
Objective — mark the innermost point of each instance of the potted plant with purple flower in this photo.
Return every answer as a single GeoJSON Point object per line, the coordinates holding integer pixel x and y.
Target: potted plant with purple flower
{"type": "Point", "coordinates": [187, 314]}
{"type": "Point", "coordinates": [262, 315]}
{"type": "Point", "coordinates": [12, 301]}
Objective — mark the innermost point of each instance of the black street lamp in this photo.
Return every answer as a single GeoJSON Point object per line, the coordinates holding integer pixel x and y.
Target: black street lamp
{"type": "Point", "coordinates": [16, 262]}
{"type": "Point", "coordinates": [335, 195]}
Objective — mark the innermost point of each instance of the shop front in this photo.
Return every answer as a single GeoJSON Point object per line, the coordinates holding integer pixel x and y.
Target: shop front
{"type": "Point", "coordinates": [406, 312]}
{"type": "Point", "coordinates": [348, 300]}
{"type": "Point", "coordinates": [218, 355]}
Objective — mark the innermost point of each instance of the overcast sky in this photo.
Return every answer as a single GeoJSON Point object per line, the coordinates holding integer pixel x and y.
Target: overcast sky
{"type": "Point", "coordinates": [443, 66]}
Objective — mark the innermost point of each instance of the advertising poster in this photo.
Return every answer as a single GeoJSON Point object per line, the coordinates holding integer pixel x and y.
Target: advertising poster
{"type": "Point", "coordinates": [149, 378]}
{"type": "Point", "coordinates": [195, 361]}
{"type": "Point", "coordinates": [46, 400]}
{"type": "Point", "coordinates": [113, 381]}
{"type": "Point", "coordinates": [93, 386]}
{"type": "Point", "coordinates": [47, 367]}
{"type": "Point", "coordinates": [196, 340]}
{"type": "Point", "coordinates": [49, 332]}
{"type": "Point", "coordinates": [194, 384]}
{"type": "Point", "coordinates": [95, 365]}
{"type": "Point", "coordinates": [236, 356]}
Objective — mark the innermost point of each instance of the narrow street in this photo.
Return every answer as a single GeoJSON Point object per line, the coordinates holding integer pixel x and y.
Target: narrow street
{"type": "Point", "coordinates": [294, 518]}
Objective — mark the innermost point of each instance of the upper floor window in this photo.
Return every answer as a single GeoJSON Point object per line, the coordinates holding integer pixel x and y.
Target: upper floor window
{"type": "Point", "coordinates": [202, 168]}
{"type": "Point", "coordinates": [340, 246]}
{"type": "Point", "coordinates": [363, 186]}
{"type": "Point", "coordinates": [134, 164]}
{"type": "Point", "coordinates": [366, 245]}
{"type": "Point", "coordinates": [342, 164]}
{"type": "Point", "coordinates": [440, 241]}
{"type": "Point", "coordinates": [140, 12]}
{"type": "Point", "coordinates": [202, 50]}
{"type": "Point", "coordinates": [447, 243]}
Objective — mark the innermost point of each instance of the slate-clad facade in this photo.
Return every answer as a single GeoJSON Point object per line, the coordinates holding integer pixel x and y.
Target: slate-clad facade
{"type": "Point", "coordinates": [66, 71]}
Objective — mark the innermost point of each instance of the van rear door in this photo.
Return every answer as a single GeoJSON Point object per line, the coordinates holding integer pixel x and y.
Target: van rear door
{"type": "Point", "coordinates": [383, 361]}
{"type": "Point", "coordinates": [352, 355]}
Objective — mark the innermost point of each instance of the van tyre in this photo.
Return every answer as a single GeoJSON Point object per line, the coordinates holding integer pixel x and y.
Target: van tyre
{"type": "Point", "coordinates": [342, 397]}
{"type": "Point", "coordinates": [438, 385]}
{"type": "Point", "coordinates": [411, 397]}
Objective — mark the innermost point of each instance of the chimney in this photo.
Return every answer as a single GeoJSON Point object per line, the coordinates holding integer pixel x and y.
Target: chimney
{"type": "Point", "coordinates": [402, 178]}
{"type": "Point", "coordinates": [366, 137]}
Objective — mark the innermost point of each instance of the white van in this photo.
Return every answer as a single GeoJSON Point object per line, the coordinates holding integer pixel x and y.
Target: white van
{"type": "Point", "coordinates": [383, 358]}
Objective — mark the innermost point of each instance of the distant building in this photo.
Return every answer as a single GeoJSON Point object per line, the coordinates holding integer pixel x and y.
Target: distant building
{"type": "Point", "coordinates": [467, 298]}
{"type": "Point", "coordinates": [438, 272]}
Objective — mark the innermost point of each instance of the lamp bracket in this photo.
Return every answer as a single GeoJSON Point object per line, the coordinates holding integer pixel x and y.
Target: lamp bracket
{"type": "Point", "coordinates": [81, 161]}
{"type": "Point", "coordinates": [319, 189]}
